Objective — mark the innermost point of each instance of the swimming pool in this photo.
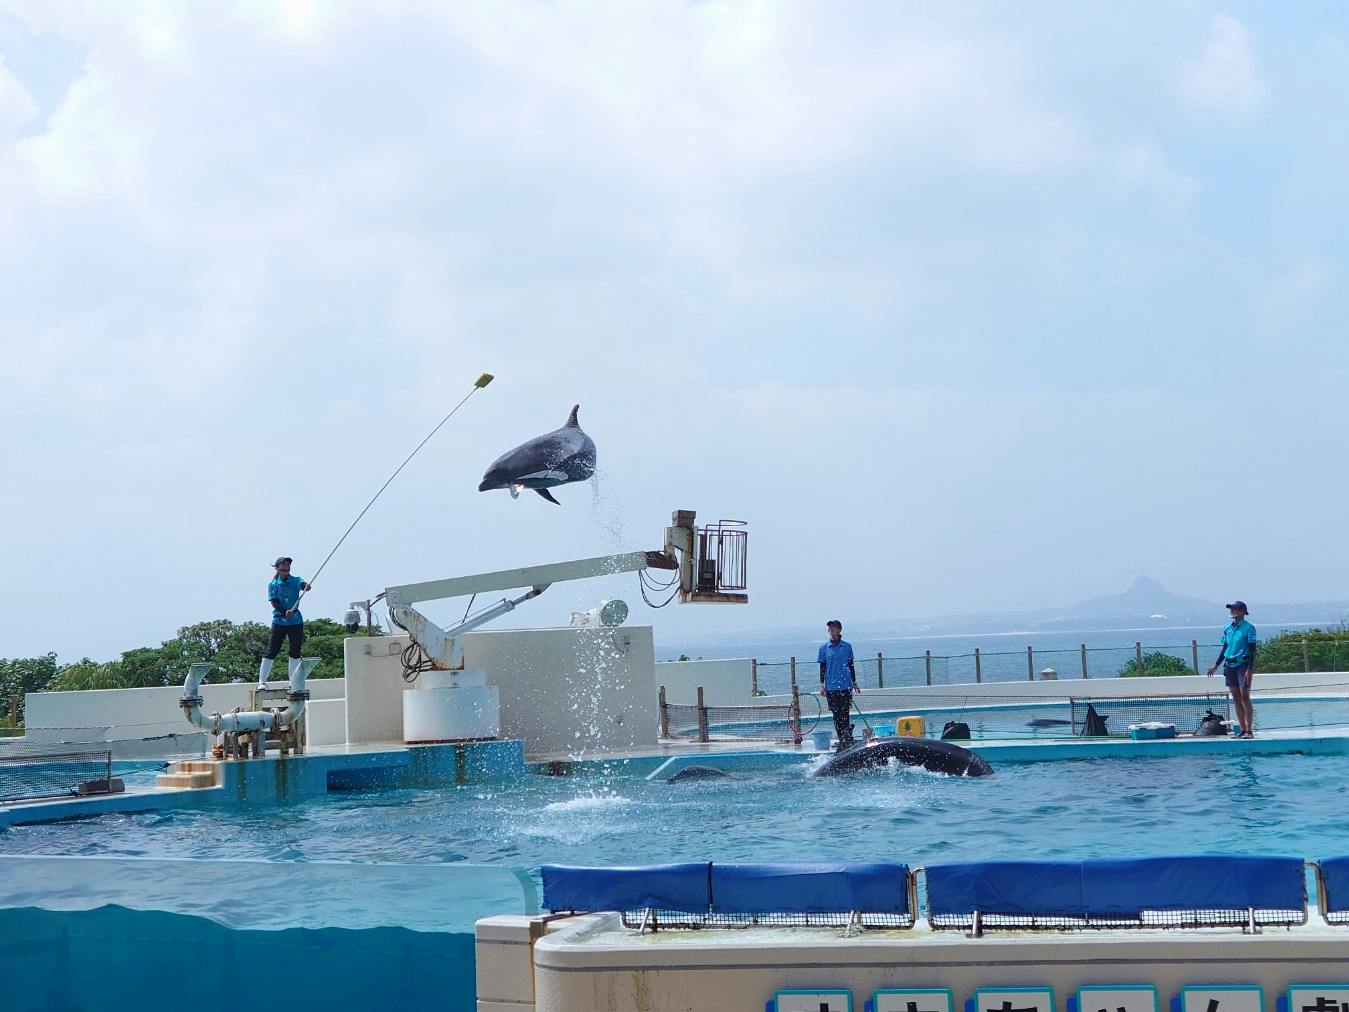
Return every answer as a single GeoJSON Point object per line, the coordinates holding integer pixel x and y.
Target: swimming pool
{"type": "Point", "coordinates": [375, 892]}
{"type": "Point", "coordinates": [1245, 804]}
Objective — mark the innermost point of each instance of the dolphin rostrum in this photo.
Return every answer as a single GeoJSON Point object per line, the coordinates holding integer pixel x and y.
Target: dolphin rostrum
{"type": "Point", "coordinates": [555, 458]}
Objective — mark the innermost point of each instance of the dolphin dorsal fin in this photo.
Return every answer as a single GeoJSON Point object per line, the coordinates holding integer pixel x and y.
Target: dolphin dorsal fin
{"type": "Point", "coordinates": [572, 423]}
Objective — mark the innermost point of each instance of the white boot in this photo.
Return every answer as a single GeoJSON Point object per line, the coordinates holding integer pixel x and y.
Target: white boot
{"type": "Point", "coordinates": [292, 669]}
{"type": "Point", "coordinates": [264, 669]}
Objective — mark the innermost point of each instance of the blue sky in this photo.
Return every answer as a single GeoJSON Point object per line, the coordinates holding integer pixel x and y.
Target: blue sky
{"type": "Point", "coordinates": [962, 308]}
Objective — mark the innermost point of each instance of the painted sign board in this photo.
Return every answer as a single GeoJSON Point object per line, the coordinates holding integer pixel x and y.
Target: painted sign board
{"type": "Point", "coordinates": [1115, 998]}
{"type": "Point", "coordinates": [830, 1000]}
{"type": "Point", "coordinates": [1315, 998]}
{"type": "Point", "coordinates": [912, 999]}
{"type": "Point", "coordinates": [1011, 999]}
{"type": "Point", "coordinates": [1219, 998]}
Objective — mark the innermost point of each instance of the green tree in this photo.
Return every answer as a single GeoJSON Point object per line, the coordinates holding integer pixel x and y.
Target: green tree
{"type": "Point", "coordinates": [86, 674]}
{"type": "Point", "coordinates": [1156, 663]}
{"type": "Point", "coordinates": [22, 675]}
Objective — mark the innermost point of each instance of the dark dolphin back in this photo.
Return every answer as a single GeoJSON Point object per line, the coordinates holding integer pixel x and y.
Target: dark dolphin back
{"type": "Point", "coordinates": [934, 756]}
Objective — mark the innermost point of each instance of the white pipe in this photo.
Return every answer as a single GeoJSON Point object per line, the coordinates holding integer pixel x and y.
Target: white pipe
{"type": "Point", "coordinates": [298, 693]}
{"type": "Point", "coordinates": [246, 720]}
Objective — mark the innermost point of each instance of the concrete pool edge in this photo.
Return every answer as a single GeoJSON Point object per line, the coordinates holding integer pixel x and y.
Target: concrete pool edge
{"type": "Point", "coordinates": [591, 962]}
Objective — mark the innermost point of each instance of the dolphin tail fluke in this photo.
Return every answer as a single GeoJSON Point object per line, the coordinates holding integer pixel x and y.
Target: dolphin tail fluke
{"type": "Point", "coordinates": [547, 495]}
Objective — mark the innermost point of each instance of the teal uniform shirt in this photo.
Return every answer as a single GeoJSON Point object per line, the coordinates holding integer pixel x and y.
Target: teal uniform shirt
{"type": "Point", "coordinates": [286, 591]}
{"type": "Point", "coordinates": [835, 659]}
{"type": "Point", "coordinates": [1238, 644]}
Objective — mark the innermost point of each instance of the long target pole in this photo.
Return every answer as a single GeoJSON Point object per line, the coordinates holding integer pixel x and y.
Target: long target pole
{"type": "Point", "coordinates": [478, 384]}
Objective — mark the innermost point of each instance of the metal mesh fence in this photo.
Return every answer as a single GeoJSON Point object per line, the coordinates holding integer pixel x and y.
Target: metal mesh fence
{"type": "Point", "coordinates": [1252, 918]}
{"type": "Point", "coordinates": [1309, 705]}
{"type": "Point", "coordinates": [878, 671]}
{"type": "Point", "coordinates": [656, 919]}
{"type": "Point", "coordinates": [776, 722]}
{"type": "Point", "coordinates": [1307, 654]}
{"type": "Point", "coordinates": [32, 772]}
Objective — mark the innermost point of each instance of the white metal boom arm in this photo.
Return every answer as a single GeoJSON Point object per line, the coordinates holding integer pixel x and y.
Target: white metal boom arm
{"type": "Point", "coordinates": [440, 644]}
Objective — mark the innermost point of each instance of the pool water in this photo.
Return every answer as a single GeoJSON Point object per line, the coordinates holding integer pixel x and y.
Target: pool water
{"type": "Point", "coordinates": [1061, 809]}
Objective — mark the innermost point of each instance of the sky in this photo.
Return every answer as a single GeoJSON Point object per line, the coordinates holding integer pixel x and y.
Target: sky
{"type": "Point", "coordinates": [961, 307]}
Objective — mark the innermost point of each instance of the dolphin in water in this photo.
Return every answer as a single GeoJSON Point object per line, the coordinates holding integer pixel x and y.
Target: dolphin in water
{"type": "Point", "coordinates": [555, 458]}
{"type": "Point", "coordinates": [934, 756]}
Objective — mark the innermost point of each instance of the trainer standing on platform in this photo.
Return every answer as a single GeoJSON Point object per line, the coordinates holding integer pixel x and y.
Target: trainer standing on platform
{"type": "Point", "coordinates": [1238, 660]}
{"type": "Point", "coordinates": [838, 680]}
{"type": "Point", "coordinates": [287, 622]}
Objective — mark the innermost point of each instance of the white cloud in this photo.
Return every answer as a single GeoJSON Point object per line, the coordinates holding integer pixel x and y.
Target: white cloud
{"type": "Point", "coordinates": [1223, 78]}
{"type": "Point", "coordinates": [1143, 167]}
{"type": "Point", "coordinates": [16, 105]}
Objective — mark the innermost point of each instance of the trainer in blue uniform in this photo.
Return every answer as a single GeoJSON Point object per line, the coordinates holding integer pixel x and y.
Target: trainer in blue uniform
{"type": "Point", "coordinates": [838, 680]}
{"type": "Point", "coordinates": [287, 622]}
{"type": "Point", "coordinates": [1238, 660]}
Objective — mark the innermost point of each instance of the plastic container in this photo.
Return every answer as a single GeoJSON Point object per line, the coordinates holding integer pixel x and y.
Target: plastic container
{"type": "Point", "coordinates": [821, 740]}
{"type": "Point", "coordinates": [1151, 730]}
{"type": "Point", "coordinates": [911, 727]}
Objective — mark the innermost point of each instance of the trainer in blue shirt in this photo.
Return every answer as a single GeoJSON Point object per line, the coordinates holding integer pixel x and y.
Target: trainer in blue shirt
{"type": "Point", "coordinates": [287, 622]}
{"type": "Point", "coordinates": [1238, 660]}
{"type": "Point", "coordinates": [838, 680]}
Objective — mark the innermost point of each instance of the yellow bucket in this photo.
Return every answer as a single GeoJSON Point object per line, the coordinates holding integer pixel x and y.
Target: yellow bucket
{"type": "Point", "coordinates": [910, 727]}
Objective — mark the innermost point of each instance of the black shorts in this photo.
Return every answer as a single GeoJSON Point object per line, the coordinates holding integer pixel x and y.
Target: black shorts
{"type": "Point", "coordinates": [294, 633]}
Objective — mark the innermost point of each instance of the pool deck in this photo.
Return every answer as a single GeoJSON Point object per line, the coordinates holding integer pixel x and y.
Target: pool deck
{"type": "Point", "coordinates": [394, 766]}
{"type": "Point", "coordinates": [590, 961]}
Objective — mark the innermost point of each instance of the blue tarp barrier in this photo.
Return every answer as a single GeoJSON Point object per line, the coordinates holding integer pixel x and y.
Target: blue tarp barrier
{"type": "Point", "coordinates": [682, 887]}
{"type": "Point", "coordinates": [1335, 878]}
{"type": "Point", "coordinates": [815, 888]}
{"type": "Point", "coordinates": [1110, 887]}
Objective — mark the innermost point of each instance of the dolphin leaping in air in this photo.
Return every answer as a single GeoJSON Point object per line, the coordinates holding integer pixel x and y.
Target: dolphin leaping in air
{"type": "Point", "coordinates": [555, 458]}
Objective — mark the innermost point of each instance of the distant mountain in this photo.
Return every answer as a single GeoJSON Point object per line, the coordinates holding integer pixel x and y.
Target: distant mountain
{"type": "Point", "coordinates": [1145, 603]}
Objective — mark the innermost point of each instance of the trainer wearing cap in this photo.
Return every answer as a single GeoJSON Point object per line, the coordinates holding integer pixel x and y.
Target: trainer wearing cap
{"type": "Point", "coordinates": [1238, 660]}
{"type": "Point", "coordinates": [287, 622]}
{"type": "Point", "coordinates": [838, 680]}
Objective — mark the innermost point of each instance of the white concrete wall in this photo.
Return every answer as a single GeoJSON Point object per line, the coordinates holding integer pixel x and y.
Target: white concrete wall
{"type": "Point", "coordinates": [724, 682]}
{"type": "Point", "coordinates": [571, 691]}
{"type": "Point", "coordinates": [375, 685]}
{"type": "Point", "coordinates": [563, 691]}
{"type": "Point", "coordinates": [133, 714]}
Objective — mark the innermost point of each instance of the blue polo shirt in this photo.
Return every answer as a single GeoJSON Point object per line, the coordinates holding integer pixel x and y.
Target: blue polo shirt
{"type": "Point", "coordinates": [835, 659]}
{"type": "Point", "coordinates": [1238, 644]}
{"type": "Point", "coordinates": [286, 591]}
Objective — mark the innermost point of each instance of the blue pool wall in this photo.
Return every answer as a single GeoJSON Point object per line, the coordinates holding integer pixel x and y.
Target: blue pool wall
{"type": "Point", "coordinates": [114, 959]}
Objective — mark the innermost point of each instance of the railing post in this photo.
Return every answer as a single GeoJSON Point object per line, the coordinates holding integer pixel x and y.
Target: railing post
{"type": "Point", "coordinates": [702, 717]}
{"type": "Point", "coordinates": [794, 718]}
{"type": "Point", "coordinates": [1030, 662]}
{"type": "Point", "coordinates": [1138, 655]}
{"type": "Point", "coordinates": [927, 665]}
{"type": "Point", "coordinates": [793, 670]}
{"type": "Point", "coordinates": [1085, 673]}
{"type": "Point", "coordinates": [1194, 655]}
{"type": "Point", "coordinates": [978, 666]}
{"type": "Point", "coordinates": [880, 670]}
{"type": "Point", "coordinates": [664, 715]}
{"type": "Point", "coordinates": [753, 677]}
{"type": "Point", "coordinates": [1306, 657]}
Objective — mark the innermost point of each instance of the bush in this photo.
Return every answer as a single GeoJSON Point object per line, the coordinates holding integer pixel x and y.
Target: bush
{"type": "Point", "coordinates": [1156, 663]}
{"type": "Point", "coordinates": [1327, 650]}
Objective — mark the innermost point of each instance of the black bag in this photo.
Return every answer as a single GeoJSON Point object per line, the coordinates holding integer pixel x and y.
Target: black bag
{"type": "Point", "coordinates": [1211, 726]}
{"type": "Point", "coordinates": [955, 730]}
{"type": "Point", "coordinates": [1094, 724]}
